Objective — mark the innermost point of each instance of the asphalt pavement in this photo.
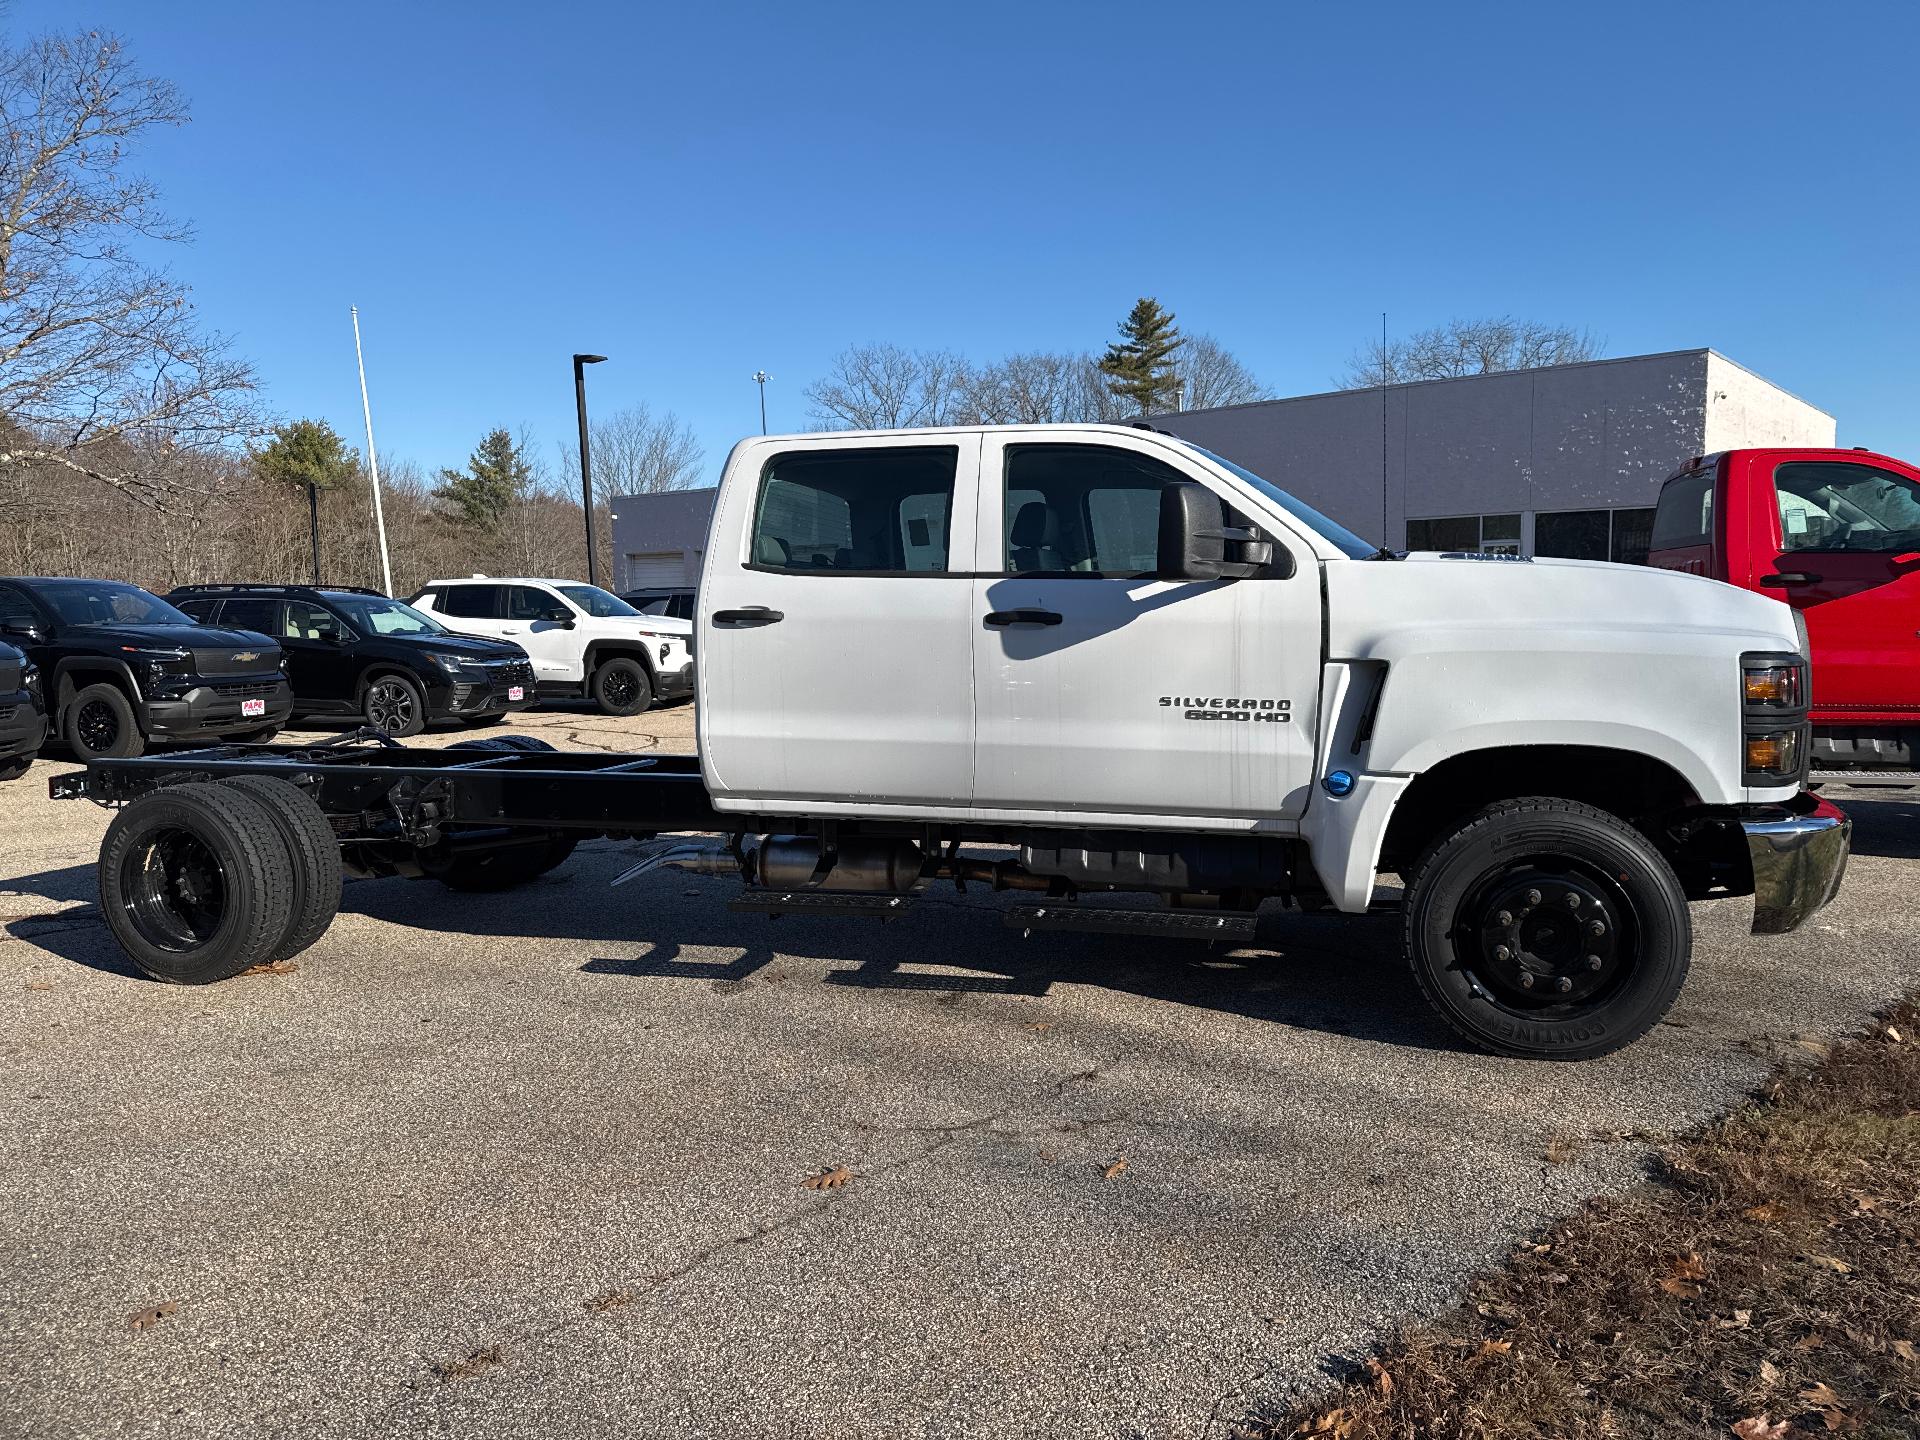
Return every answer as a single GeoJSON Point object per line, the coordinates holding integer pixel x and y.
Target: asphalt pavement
{"type": "Point", "coordinates": [535, 1164]}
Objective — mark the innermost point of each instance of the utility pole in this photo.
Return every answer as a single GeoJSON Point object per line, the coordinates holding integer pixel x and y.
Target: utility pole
{"type": "Point", "coordinates": [373, 460]}
{"type": "Point", "coordinates": [580, 363]}
{"type": "Point", "coordinates": [313, 526]}
{"type": "Point", "coordinates": [760, 378]}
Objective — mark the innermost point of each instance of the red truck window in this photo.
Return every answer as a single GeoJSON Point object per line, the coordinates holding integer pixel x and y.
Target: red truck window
{"type": "Point", "coordinates": [1842, 506]}
{"type": "Point", "coordinates": [1685, 513]}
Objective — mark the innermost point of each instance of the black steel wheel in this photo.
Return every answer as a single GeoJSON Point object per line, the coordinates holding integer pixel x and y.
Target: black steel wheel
{"type": "Point", "coordinates": [1547, 929]}
{"type": "Point", "coordinates": [621, 686]}
{"type": "Point", "coordinates": [196, 883]}
{"type": "Point", "coordinates": [395, 705]}
{"type": "Point", "coordinates": [100, 724]}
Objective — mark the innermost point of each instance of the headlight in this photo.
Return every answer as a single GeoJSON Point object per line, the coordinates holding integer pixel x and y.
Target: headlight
{"type": "Point", "coordinates": [1775, 756]}
{"type": "Point", "coordinates": [452, 664]}
{"type": "Point", "coordinates": [160, 664]}
{"type": "Point", "coordinates": [1774, 687]}
{"type": "Point", "coordinates": [30, 679]}
{"type": "Point", "coordinates": [666, 649]}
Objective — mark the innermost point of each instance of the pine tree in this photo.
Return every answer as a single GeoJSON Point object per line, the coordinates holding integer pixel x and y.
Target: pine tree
{"type": "Point", "coordinates": [307, 452]}
{"type": "Point", "coordinates": [498, 474]}
{"type": "Point", "coordinates": [1140, 367]}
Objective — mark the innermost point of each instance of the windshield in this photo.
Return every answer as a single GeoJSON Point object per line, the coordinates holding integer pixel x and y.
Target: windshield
{"type": "Point", "coordinates": [597, 602]}
{"type": "Point", "coordinates": [377, 615]}
{"type": "Point", "coordinates": [103, 602]}
{"type": "Point", "coordinates": [1348, 543]}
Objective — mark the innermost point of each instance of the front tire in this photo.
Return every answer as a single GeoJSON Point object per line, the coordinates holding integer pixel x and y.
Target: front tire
{"type": "Point", "coordinates": [100, 724]}
{"type": "Point", "coordinates": [1546, 929]}
{"type": "Point", "coordinates": [13, 769]}
{"type": "Point", "coordinates": [196, 883]}
{"type": "Point", "coordinates": [621, 686]}
{"type": "Point", "coordinates": [395, 706]}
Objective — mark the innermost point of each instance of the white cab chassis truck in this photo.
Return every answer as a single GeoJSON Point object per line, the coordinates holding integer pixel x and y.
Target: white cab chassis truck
{"type": "Point", "coordinates": [1070, 660]}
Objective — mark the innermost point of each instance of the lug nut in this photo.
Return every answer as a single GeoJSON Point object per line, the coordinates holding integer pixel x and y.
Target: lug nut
{"type": "Point", "coordinates": [1526, 979]}
{"type": "Point", "coordinates": [1505, 917]}
{"type": "Point", "coordinates": [1533, 897]}
{"type": "Point", "coordinates": [1566, 984]}
{"type": "Point", "coordinates": [1596, 927]}
{"type": "Point", "coordinates": [1573, 900]}
{"type": "Point", "coordinates": [1501, 952]}
{"type": "Point", "coordinates": [1593, 962]}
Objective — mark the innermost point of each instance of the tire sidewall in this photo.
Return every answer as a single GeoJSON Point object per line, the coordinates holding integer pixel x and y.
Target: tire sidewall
{"type": "Point", "coordinates": [1461, 862]}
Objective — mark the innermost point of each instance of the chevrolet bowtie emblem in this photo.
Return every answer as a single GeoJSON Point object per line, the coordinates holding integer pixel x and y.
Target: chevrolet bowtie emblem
{"type": "Point", "coordinates": [241, 656]}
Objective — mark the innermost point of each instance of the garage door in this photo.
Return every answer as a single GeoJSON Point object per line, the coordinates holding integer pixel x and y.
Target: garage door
{"type": "Point", "coordinates": [661, 568]}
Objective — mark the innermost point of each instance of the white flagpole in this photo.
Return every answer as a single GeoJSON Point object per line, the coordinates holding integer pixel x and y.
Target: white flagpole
{"type": "Point", "coordinates": [373, 460]}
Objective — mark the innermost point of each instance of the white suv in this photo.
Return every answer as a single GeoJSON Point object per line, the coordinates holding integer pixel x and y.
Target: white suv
{"type": "Point", "coordinates": [583, 641]}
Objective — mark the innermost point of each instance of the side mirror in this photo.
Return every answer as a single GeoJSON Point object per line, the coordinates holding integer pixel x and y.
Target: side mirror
{"type": "Point", "coordinates": [24, 629]}
{"type": "Point", "coordinates": [554, 615]}
{"type": "Point", "coordinates": [1193, 544]}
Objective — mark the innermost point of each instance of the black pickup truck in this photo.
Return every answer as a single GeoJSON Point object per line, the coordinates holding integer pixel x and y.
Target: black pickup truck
{"type": "Point", "coordinates": [121, 667]}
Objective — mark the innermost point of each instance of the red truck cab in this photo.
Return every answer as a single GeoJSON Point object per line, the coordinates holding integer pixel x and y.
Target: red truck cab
{"type": "Point", "coordinates": [1836, 535]}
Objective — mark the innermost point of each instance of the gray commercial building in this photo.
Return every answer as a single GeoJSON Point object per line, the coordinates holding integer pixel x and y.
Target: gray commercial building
{"type": "Point", "coordinates": [1564, 460]}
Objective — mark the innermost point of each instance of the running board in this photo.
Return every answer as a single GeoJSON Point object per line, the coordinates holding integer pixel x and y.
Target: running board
{"type": "Point", "coordinates": [775, 903]}
{"type": "Point", "coordinates": [1235, 925]}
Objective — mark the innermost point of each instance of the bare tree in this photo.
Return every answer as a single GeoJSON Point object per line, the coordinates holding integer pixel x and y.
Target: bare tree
{"type": "Point", "coordinates": [1468, 347]}
{"type": "Point", "coordinates": [1211, 375]}
{"type": "Point", "coordinates": [636, 452]}
{"type": "Point", "coordinates": [883, 387]}
{"type": "Point", "coordinates": [102, 369]}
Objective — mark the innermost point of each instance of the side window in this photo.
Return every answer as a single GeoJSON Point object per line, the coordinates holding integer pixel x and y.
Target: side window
{"type": "Point", "coordinates": [1085, 510]}
{"type": "Point", "coordinates": [1684, 515]}
{"type": "Point", "coordinates": [682, 607]}
{"type": "Point", "coordinates": [472, 602]}
{"type": "Point", "coordinates": [526, 603]}
{"type": "Point", "coordinates": [881, 511]}
{"type": "Point", "coordinates": [1838, 505]}
{"type": "Point", "coordinates": [253, 614]}
{"type": "Point", "coordinates": [17, 609]}
{"type": "Point", "coordinates": [201, 610]}
{"type": "Point", "coordinates": [426, 600]}
{"type": "Point", "coordinates": [307, 621]}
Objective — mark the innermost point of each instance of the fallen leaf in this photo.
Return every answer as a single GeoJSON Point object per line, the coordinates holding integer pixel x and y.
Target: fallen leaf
{"type": "Point", "coordinates": [1382, 1381]}
{"type": "Point", "coordinates": [1893, 1035]}
{"type": "Point", "coordinates": [1863, 1204]}
{"type": "Point", "coordinates": [1764, 1213]}
{"type": "Point", "coordinates": [1495, 1347]}
{"type": "Point", "coordinates": [152, 1315]}
{"type": "Point", "coordinates": [276, 967]}
{"type": "Point", "coordinates": [1769, 1373]}
{"type": "Point", "coordinates": [1687, 1267]}
{"type": "Point", "coordinates": [828, 1179]}
{"type": "Point", "coordinates": [1114, 1170]}
{"type": "Point", "coordinates": [39, 984]}
{"type": "Point", "coordinates": [1337, 1422]}
{"type": "Point", "coordinates": [1758, 1427]}
{"type": "Point", "coordinates": [1821, 1397]}
{"type": "Point", "coordinates": [1738, 1322]}
{"type": "Point", "coordinates": [1814, 1047]}
{"type": "Point", "coordinates": [1683, 1289]}
{"type": "Point", "coordinates": [1906, 1350]}
{"type": "Point", "coordinates": [1833, 1263]}
{"type": "Point", "coordinates": [1811, 1341]}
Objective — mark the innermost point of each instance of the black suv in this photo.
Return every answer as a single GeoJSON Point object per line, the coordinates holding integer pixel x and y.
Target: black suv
{"type": "Point", "coordinates": [121, 667]}
{"type": "Point", "coordinates": [356, 652]}
{"type": "Point", "coordinates": [23, 713]}
{"type": "Point", "coordinates": [675, 600]}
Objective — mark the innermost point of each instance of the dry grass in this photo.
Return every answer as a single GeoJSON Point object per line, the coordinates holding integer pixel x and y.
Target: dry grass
{"type": "Point", "coordinates": [1766, 1284]}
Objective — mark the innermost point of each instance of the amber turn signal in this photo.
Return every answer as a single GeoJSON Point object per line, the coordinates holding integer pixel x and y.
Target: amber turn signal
{"type": "Point", "coordinates": [1775, 686]}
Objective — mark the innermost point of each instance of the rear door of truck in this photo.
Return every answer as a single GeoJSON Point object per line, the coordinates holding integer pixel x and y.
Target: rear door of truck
{"type": "Point", "coordinates": [1840, 542]}
{"type": "Point", "coordinates": [835, 639]}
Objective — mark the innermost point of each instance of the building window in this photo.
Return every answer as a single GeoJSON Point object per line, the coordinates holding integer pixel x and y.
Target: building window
{"type": "Point", "coordinates": [1618, 535]}
{"type": "Point", "coordinates": [1494, 534]}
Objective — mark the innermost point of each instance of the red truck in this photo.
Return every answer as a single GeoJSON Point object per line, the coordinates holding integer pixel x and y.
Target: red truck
{"type": "Point", "coordinates": [1836, 535]}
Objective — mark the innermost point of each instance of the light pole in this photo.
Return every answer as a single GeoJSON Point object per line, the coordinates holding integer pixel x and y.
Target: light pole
{"type": "Point", "coordinates": [760, 378]}
{"type": "Point", "coordinates": [580, 363]}
{"type": "Point", "coordinates": [313, 526]}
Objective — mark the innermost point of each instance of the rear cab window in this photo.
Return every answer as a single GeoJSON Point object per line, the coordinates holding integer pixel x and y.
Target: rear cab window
{"type": "Point", "coordinates": [1684, 516]}
{"type": "Point", "coordinates": [887, 510]}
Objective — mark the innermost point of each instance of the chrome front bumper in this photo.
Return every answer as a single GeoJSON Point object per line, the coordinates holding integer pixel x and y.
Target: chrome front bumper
{"type": "Point", "coordinates": [1799, 855]}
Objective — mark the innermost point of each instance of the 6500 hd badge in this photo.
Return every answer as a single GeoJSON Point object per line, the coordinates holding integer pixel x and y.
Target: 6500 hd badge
{"type": "Point", "coordinates": [1217, 708]}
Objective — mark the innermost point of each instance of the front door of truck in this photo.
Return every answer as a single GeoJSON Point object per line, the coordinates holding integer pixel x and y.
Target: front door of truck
{"type": "Point", "coordinates": [548, 629]}
{"type": "Point", "coordinates": [1102, 689]}
{"type": "Point", "coordinates": [835, 649]}
{"type": "Point", "coordinates": [320, 658]}
{"type": "Point", "coordinates": [1847, 556]}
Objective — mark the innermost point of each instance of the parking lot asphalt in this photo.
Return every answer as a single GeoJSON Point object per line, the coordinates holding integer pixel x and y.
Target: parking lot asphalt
{"type": "Point", "coordinates": [533, 1164]}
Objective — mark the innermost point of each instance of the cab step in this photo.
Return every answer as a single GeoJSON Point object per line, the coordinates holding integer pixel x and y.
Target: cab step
{"type": "Point", "coordinates": [1234, 925]}
{"type": "Point", "coordinates": [775, 903]}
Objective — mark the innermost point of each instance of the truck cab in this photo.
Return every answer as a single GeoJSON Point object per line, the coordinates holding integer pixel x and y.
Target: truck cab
{"type": "Point", "coordinates": [1835, 535]}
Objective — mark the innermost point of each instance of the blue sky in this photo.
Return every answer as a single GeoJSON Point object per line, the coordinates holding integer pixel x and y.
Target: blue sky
{"type": "Point", "coordinates": [699, 191]}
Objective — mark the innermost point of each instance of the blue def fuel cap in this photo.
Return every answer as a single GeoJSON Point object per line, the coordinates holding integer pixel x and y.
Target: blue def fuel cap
{"type": "Point", "coordinates": [1340, 782]}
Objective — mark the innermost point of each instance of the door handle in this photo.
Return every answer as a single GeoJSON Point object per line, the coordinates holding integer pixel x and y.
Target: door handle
{"type": "Point", "coordinates": [1001, 618]}
{"type": "Point", "coordinates": [750, 616]}
{"type": "Point", "coordinates": [1790, 577]}
{"type": "Point", "coordinates": [509, 632]}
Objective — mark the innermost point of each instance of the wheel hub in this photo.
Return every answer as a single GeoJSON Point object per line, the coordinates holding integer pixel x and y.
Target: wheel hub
{"type": "Point", "coordinates": [1553, 939]}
